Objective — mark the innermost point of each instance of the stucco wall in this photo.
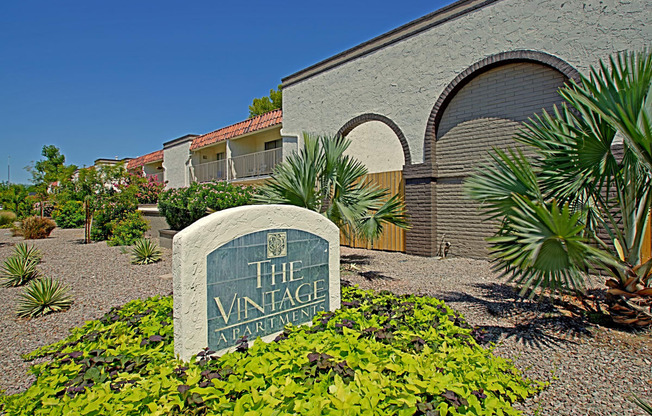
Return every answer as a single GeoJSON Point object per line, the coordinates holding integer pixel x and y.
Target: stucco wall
{"type": "Point", "coordinates": [253, 143]}
{"type": "Point", "coordinates": [176, 164]}
{"type": "Point", "coordinates": [403, 80]}
{"type": "Point", "coordinates": [375, 145]}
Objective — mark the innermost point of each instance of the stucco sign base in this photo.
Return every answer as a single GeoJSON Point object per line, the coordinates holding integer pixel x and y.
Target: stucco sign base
{"type": "Point", "coordinates": [250, 271]}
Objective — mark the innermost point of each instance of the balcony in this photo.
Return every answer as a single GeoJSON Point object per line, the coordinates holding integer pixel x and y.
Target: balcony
{"type": "Point", "coordinates": [255, 164]}
{"type": "Point", "coordinates": [211, 171]}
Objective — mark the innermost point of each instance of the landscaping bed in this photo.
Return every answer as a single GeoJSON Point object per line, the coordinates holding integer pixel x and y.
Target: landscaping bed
{"type": "Point", "coordinates": [99, 278]}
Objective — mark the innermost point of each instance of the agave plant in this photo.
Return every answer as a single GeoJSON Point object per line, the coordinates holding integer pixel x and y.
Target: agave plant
{"type": "Point", "coordinates": [321, 178]}
{"type": "Point", "coordinates": [647, 407]}
{"type": "Point", "coordinates": [43, 296]}
{"type": "Point", "coordinates": [22, 250]}
{"type": "Point", "coordinates": [145, 252]}
{"type": "Point", "coordinates": [583, 202]}
{"type": "Point", "coordinates": [17, 271]}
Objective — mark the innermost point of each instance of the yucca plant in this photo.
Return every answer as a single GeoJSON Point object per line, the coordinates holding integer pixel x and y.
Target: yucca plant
{"type": "Point", "coordinates": [17, 271]}
{"type": "Point", "coordinates": [24, 251]}
{"type": "Point", "coordinates": [43, 296]}
{"type": "Point", "coordinates": [647, 407]}
{"type": "Point", "coordinates": [145, 252]}
{"type": "Point", "coordinates": [580, 205]}
{"type": "Point", "coordinates": [321, 178]}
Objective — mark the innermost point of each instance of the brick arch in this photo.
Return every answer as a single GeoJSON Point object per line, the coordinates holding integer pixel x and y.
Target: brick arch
{"type": "Point", "coordinates": [478, 68]}
{"type": "Point", "coordinates": [363, 118]}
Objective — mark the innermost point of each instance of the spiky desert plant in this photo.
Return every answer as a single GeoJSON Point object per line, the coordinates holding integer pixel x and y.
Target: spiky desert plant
{"type": "Point", "coordinates": [643, 404]}
{"type": "Point", "coordinates": [43, 296]}
{"type": "Point", "coordinates": [24, 251]}
{"type": "Point", "coordinates": [321, 178]}
{"type": "Point", "coordinates": [145, 252]}
{"type": "Point", "coordinates": [580, 205]}
{"type": "Point", "coordinates": [17, 271]}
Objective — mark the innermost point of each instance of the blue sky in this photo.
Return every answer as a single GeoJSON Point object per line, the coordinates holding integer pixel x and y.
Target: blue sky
{"type": "Point", "coordinates": [119, 78]}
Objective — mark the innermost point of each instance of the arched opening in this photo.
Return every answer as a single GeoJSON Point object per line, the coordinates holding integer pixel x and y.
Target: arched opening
{"type": "Point", "coordinates": [481, 111]}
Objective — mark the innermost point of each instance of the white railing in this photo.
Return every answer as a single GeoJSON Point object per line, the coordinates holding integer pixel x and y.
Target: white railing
{"type": "Point", "coordinates": [155, 177]}
{"type": "Point", "coordinates": [211, 171]}
{"type": "Point", "coordinates": [255, 164]}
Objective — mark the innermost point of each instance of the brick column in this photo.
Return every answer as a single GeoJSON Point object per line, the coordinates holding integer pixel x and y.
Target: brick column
{"type": "Point", "coordinates": [420, 186]}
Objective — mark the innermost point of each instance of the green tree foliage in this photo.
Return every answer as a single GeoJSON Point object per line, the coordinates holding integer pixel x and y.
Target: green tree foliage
{"type": "Point", "coordinates": [15, 198]}
{"type": "Point", "coordinates": [554, 206]}
{"type": "Point", "coordinates": [266, 104]}
{"type": "Point", "coordinates": [321, 178]}
{"type": "Point", "coordinates": [51, 169]}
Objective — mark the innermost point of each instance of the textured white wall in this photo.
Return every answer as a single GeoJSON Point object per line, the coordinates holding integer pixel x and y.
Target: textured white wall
{"type": "Point", "coordinates": [176, 165]}
{"type": "Point", "coordinates": [403, 81]}
{"type": "Point", "coordinates": [376, 145]}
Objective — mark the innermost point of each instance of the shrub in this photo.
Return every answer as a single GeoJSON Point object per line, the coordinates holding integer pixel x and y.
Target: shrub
{"type": "Point", "coordinates": [149, 190]}
{"type": "Point", "coordinates": [126, 231]}
{"type": "Point", "coordinates": [24, 251]}
{"type": "Point", "coordinates": [110, 210]}
{"type": "Point", "coordinates": [381, 354]}
{"type": "Point", "coordinates": [37, 227]}
{"type": "Point", "coordinates": [17, 271]}
{"type": "Point", "coordinates": [145, 252]}
{"type": "Point", "coordinates": [181, 207]}
{"type": "Point", "coordinates": [48, 208]}
{"type": "Point", "coordinates": [69, 215]}
{"type": "Point", "coordinates": [43, 296]}
{"type": "Point", "coordinates": [7, 219]}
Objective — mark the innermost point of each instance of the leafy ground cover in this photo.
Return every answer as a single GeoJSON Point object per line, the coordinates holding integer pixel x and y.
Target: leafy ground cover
{"type": "Point", "coordinates": [380, 354]}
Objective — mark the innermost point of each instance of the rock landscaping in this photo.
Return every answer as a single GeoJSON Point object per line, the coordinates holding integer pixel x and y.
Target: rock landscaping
{"type": "Point", "coordinates": [591, 369]}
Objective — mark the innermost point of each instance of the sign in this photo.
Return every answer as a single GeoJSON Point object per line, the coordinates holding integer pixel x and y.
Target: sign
{"type": "Point", "coordinates": [258, 283]}
{"type": "Point", "coordinates": [249, 271]}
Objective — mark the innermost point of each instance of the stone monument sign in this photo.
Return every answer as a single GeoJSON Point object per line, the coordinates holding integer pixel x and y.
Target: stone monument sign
{"type": "Point", "coordinates": [250, 271]}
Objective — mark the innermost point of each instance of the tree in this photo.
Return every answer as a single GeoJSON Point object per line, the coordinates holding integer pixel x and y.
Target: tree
{"type": "Point", "coordinates": [266, 104]}
{"type": "Point", "coordinates": [579, 205]}
{"type": "Point", "coordinates": [48, 172]}
{"type": "Point", "coordinates": [321, 178]}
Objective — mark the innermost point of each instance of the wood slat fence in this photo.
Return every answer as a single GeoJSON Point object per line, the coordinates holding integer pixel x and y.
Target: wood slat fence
{"type": "Point", "coordinates": [393, 238]}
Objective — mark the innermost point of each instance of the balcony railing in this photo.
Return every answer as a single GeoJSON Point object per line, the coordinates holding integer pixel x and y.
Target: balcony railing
{"type": "Point", "coordinates": [211, 171]}
{"type": "Point", "coordinates": [255, 164]}
{"type": "Point", "coordinates": [155, 177]}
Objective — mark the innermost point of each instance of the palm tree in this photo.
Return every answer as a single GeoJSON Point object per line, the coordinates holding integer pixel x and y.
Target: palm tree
{"type": "Point", "coordinates": [321, 178]}
{"type": "Point", "coordinates": [582, 203]}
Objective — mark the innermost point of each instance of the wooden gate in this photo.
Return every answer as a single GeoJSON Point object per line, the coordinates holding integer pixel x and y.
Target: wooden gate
{"type": "Point", "coordinates": [393, 238]}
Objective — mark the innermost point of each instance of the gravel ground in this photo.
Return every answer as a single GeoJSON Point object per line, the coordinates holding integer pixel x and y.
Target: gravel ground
{"type": "Point", "coordinates": [99, 278]}
{"type": "Point", "coordinates": [592, 370]}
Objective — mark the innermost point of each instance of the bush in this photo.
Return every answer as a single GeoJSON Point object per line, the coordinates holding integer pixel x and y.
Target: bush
{"type": "Point", "coordinates": [149, 190]}
{"type": "Point", "coordinates": [380, 354]}
{"type": "Point", "coordinates": [7, 219]}
{"type": "Point", "coordinates": [43, 296]}
{"type": "Point", "coordinates": [48, 208]}
{"type": "Point", "coordinates": [69, 215]}
{"type": "Point", "coordinates": [110, 210]}
{"type": "Point", "coordinates": [181, 207]}
{"type": "Point", "coordinates": [126, 231]}
{"type": "Point", "coordinates": [37, 227]}
{"type": "Point", "coordinates": [145, 252]}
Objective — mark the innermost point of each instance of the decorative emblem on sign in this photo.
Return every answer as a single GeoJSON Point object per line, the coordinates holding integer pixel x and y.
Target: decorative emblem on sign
{"type": "Point", "coordinates": [277, 245]}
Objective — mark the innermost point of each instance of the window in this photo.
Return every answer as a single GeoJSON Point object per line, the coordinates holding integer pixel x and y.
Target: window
{"type": "Point", "coordinates": [220, 156]}
{"type": "Point", "coordinates": [274, 144]}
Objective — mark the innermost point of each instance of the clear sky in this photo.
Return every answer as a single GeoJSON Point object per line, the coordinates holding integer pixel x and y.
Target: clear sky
{"type": "Point", "coordinates": [101, 79]}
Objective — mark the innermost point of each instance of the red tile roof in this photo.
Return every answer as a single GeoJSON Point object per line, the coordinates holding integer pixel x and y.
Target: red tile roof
{"type": "Point", "coordinates": [143, 160]}
{"type": "Point", "coordinates": [260, 122]}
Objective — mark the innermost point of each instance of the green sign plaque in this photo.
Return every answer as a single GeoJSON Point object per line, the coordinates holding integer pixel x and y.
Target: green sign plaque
{"type": "Point", "coordinates": [258, 283]}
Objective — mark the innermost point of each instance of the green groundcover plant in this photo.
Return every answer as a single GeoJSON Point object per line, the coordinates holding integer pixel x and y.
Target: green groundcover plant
{"type": "Point", "coordinates": [380, 354]}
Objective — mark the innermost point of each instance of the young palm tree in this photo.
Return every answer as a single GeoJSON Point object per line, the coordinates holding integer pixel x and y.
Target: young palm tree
{"type": "Point", "coordinates": [321, 178]}
{"type": "Point", "coordinates": [583, 201]}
